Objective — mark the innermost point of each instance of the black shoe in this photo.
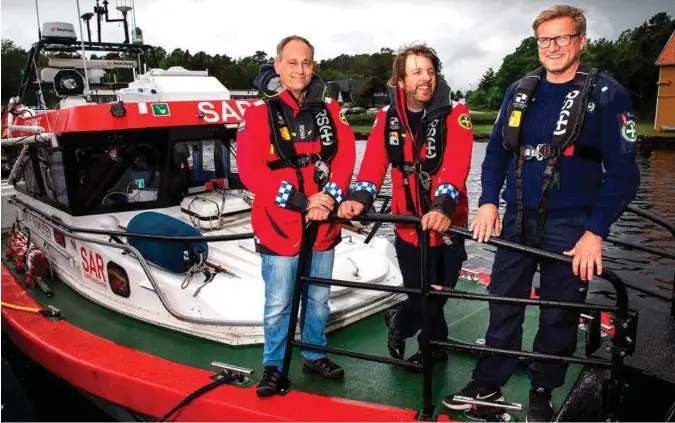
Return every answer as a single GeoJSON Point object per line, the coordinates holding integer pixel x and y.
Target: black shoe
{"type": "Point", "coordinates": [540, 408]}
{"type": "Point", "coordinates": [325, 367]}
{"type": "Point", "coordinates": [395, 343]}
{"type": "Point", "coordinates": [472, 390]}
{"type": "Point", "coordinates": [270, 383]}
{"type": "Point", "coordinates": [438, 355]}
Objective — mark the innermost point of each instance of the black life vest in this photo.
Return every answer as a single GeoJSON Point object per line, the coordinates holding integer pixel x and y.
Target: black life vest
{"type": "Point", "coordinates": [284, 136]}
{"type": "Point", "coordinates": [433, 128]}
{"type": "Point", "coordinates": [566, 133]}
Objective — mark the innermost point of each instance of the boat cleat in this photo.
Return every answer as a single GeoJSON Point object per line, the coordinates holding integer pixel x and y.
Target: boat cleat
{"type": "Point", "coordinates": [52, 313]}
{"type": "Point", "coordinates": [235, 375]}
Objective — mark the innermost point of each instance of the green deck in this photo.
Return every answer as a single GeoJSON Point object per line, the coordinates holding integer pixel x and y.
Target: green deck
{"type": "Point", "coordinates": [364, 380]}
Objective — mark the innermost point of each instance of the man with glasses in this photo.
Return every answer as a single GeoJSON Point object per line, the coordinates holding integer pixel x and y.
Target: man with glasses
{"type": "Point", "coordinates": [558, 128]}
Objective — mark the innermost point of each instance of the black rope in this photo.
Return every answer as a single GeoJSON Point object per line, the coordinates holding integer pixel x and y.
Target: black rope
{"type": "Point", "coordinates": [223, 379]}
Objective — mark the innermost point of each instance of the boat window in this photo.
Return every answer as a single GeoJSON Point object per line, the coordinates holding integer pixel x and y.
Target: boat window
{"type": "Point", "coordinates": [118, 174]}
{"type": "Point", "coordinates": [28, 181]}
{"type": "Point", "coordinates": [53, 175]}
{"type": "Point", "coordinates": [205, 159]}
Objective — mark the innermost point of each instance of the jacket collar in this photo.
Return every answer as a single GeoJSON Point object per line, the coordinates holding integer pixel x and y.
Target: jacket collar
{"type": "Point", "coordinates": [440, 99]}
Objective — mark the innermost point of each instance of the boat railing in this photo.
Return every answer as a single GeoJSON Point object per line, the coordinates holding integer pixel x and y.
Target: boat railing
{"type": "Point", "coordinates": [650, 216]}
{"type": "Point", "coordinates": [74, 233]}
{"type": "Point", "coordinates": [669, 226]}
{"type": "Point", "coordinates": [622, 342]}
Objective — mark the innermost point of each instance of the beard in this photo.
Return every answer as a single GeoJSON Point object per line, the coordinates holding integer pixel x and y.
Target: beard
{"type": "Point", "coordinates": [416, 98]}
{"type": "Point", "coordinates": [559, 69]}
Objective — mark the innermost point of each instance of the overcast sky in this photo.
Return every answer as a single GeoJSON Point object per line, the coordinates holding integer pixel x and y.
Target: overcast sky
{"type": "Point", "coordinates": [469, 36]}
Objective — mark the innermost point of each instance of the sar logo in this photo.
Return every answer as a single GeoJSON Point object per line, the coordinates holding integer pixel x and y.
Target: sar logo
{"type": "Point", "coordinates": [465, 121]}
{"type": "Point", "coordinates": [343, 119]}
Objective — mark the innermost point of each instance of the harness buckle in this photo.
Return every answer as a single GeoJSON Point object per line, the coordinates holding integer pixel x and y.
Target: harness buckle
{"type": "Point", "coordinates": [538, 152]}
{"type": "Point", "coordinates": [304, 160]}
{"type": "Point", "coordinates": [408, 168]}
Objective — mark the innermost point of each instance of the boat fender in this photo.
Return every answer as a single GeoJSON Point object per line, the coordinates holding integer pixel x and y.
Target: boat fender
{"type": "Point", "coordinates": [174, 257]}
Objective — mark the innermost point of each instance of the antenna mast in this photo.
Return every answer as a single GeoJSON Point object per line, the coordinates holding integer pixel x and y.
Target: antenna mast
{"type": "Point", "coordinates": [84, 57]}
{"type": "Point", "coordinates": [37, 12]}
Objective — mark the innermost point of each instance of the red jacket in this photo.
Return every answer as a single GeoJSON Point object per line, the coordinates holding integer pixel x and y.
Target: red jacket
{"type": "Point", "coordinates": [448, 182]}
{"type": "Point", "coordinates": [277, 208]}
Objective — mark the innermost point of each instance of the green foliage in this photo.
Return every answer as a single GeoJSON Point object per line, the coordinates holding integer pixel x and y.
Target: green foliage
{"type": "Point", "coordinates": [362, 119]}
{"type": "Point", "coordinates": [13, 61]}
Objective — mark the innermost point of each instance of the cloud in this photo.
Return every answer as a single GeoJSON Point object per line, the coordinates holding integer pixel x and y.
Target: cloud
{"type": "Point", "coordinates": [469, 36]}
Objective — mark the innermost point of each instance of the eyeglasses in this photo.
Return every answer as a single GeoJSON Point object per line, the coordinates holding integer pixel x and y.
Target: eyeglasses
{"type": "Point", "coordinates": [560, 40]}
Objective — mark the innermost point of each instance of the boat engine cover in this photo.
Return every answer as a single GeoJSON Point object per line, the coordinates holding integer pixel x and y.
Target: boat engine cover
{"type": "Point", "coordinates": [172, 256]}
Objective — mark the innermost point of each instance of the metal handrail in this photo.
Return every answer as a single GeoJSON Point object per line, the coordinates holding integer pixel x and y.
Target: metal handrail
{"type": "Point", "coordinates": [609, 275]}
{"type": "Point", "coordinates": [620, 310]}
{"type": "Point", "coordinates": [661, 221]}
{"type": "Point", "coordinates": [65, 226]}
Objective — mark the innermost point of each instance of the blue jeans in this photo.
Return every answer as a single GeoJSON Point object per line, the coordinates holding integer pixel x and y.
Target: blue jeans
{"type": "Point", "coordinates": [279, 273]}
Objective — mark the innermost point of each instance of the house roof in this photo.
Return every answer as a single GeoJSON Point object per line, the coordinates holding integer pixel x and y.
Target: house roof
{"type": "Point", "coordinates": [667, 56]}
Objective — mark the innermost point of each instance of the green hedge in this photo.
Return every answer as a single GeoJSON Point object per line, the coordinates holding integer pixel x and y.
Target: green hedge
{"type": "Point", "coordinates": [365, 119]}
{"type": "Point", "coordinates": [361, 119]}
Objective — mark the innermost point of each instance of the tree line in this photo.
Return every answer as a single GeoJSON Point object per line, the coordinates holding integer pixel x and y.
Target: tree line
{"type": "Point", "coordinates": [630, 59]}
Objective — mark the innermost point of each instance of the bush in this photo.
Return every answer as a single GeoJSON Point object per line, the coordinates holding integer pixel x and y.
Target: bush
{"type": "Point", "coordinates": [362, 119]}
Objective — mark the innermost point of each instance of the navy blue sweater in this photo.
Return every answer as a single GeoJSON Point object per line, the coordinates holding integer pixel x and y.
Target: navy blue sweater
{"type": "Point", "coordinates": [609, 127]}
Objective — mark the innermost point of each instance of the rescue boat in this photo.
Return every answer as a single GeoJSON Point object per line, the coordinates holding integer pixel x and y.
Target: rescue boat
{"type": "Point", "coordinates": [129, 268]}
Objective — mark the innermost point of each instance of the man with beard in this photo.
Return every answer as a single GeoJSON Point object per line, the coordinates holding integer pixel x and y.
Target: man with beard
{"type": "Point", "coordinates": [296, 153]}
{"type": "Point", "coordinates": [428, 142]}
{"type": "Point", "coordinates": [558, 128]}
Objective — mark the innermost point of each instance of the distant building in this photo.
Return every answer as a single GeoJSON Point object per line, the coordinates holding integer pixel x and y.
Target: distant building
{"type": "Point", "coordinates": [665, 99]}
{"type": "Point", "coordinates": [347, 91]}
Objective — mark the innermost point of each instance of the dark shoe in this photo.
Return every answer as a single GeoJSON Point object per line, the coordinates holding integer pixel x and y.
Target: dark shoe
{"type": "Point", "coordinates": [438, 355]}
{"type": "Point", "coordinates": [473, 391]}
{"type": "Point", "coordinates": [540, 408]}
{"type": "Point", "coordinates": [325, 367]}
{"type": "Point", "coordinates": [395, 343]}
{"type": "Point", "coordinates": [270, 383]}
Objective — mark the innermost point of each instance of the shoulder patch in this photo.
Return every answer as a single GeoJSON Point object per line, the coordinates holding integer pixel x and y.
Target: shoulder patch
{"type": "Point", "coordinates": [464, 121]}
{"type": "Point", "coordinates": [627, 127]}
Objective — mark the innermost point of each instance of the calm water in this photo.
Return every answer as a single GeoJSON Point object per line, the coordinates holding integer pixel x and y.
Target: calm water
{"type": "Point", "coordinates": [56, 401]}
{"type": "Point", "coordinates": [656, 193]}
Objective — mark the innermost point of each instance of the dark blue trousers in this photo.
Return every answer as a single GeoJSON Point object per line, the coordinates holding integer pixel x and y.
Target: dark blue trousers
{"type": "Point", "coordinates": [445, 264]}
{"type": "Point", "coordinates": [512, 277]}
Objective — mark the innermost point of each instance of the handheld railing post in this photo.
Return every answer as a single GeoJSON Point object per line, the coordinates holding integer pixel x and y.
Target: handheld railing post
{"type": "Point", "coordinates": [427, 405]}
{"type": "Point", "coordinates": [308, 238]}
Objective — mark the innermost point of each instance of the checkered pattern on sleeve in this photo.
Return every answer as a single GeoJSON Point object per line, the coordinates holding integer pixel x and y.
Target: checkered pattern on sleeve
{"type": "Point", "coordinates": [366, 186]}
{"type": "Point", "coordinates": [447, 189]}
{"type": "Point", "coordinates": [285, 191]}
{"type": "Point", "coordinates": [334, 190]}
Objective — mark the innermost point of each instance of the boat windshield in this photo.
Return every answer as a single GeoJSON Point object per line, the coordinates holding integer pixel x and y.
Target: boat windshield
{"type": "Point", "coordinates": [118, 174]}
{"type": "Point", "coordinates": [206, 159]}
